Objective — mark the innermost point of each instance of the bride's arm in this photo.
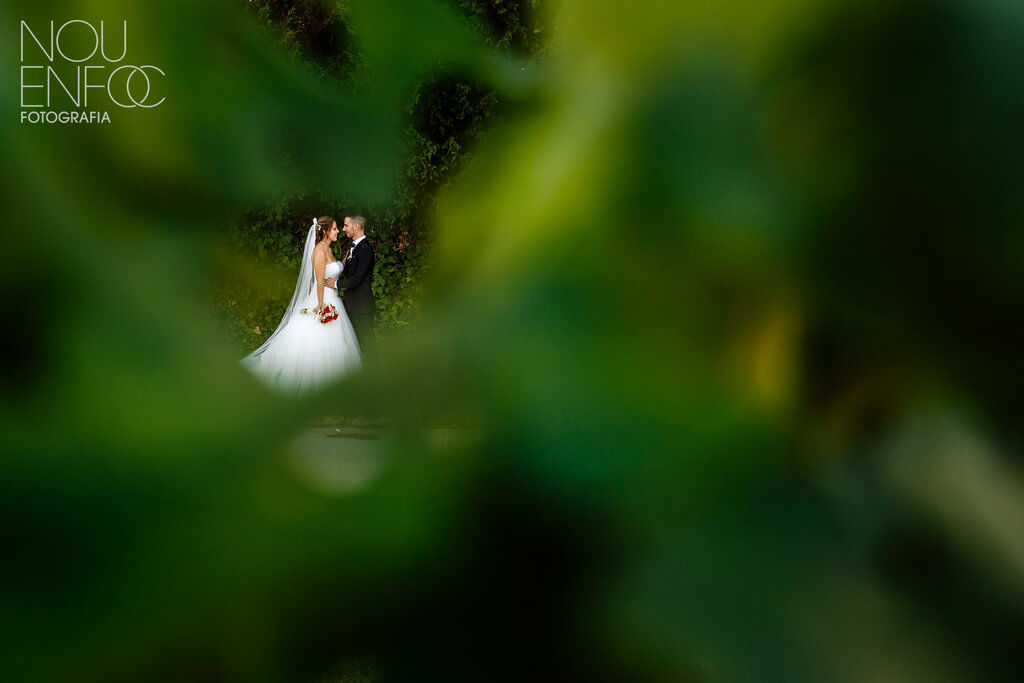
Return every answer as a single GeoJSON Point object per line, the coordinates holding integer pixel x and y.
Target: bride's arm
{"type": "Point", "coordinates": [319, 269]}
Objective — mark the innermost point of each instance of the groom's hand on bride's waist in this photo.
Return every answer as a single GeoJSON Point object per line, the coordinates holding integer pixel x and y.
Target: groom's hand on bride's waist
{"type": "Point", "coordinates": [328, 282]}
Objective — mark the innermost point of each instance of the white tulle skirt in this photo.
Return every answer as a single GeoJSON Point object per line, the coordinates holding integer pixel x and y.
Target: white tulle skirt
{"type": "Point", "coordinates": [306, 354]}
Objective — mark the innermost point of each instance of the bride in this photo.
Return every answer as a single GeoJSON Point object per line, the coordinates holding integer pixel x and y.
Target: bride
{"type": "Point", "coordinates": [304, 353]}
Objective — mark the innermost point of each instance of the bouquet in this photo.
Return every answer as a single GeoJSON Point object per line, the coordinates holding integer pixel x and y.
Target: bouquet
{"type": "Point", "coordinates": [328, 314]}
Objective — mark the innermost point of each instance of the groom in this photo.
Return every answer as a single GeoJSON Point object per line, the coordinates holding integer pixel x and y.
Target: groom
{"type": "Point", "coordinates": [356, 281]}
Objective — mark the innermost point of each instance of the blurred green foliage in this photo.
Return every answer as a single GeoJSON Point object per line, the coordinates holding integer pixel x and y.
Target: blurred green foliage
{"type": "Point", "coordinates": [731, 291]}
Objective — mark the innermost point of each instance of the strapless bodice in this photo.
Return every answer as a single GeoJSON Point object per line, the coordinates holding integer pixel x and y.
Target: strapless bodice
{"type": "Point", "coordinates": [333, 270]}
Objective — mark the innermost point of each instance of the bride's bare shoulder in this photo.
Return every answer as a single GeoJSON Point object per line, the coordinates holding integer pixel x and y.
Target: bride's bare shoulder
{"type": "Point", "coordinates": [323, 254]}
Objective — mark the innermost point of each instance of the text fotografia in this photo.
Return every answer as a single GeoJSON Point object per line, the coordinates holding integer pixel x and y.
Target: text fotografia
{"type": "Point", "coordinates": [65, 117]}
{"type": "Point", "coordinates": [79, 65]}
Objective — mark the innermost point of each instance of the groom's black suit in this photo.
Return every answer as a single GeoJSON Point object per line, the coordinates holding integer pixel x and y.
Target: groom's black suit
{"type": "Point", "coordinates": [356, 282]}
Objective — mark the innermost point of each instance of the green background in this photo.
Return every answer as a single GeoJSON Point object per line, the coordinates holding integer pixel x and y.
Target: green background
{"type": "Point", "coordinates": [731, 292]}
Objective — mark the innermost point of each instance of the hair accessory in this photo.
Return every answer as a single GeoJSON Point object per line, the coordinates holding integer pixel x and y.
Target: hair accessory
{"type": "Point", "coordinates": [315, 223]}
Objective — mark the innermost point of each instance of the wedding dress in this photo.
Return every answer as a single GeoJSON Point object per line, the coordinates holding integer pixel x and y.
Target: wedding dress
{"type": "Point", "coordinates": [304, 354]}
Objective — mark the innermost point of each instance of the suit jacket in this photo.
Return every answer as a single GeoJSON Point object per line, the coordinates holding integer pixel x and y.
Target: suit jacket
{"type": "Point", "coordinates": [356, 280]}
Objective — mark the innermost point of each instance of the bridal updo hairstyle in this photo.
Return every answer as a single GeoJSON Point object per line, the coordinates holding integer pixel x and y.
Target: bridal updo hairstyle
{"type": "Point", "coordinates": [323, 224]}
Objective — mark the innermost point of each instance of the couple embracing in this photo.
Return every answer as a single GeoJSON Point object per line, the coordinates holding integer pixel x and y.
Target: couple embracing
{"type": "Point", "coordinates": [323, 336]}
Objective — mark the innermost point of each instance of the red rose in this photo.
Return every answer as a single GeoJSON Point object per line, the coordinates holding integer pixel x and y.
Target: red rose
{"type": "Point", "coordinates": [328, 314]}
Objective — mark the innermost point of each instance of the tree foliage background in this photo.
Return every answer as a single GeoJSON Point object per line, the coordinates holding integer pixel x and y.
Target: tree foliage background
{"type": "Point", "coordinates": [732, 291]}
{"type": "Point", "coordinates": [445, 115]}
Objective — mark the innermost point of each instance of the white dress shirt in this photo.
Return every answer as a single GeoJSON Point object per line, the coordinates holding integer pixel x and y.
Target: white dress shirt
{"type": "Point", "coordinates": [353, 247]}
